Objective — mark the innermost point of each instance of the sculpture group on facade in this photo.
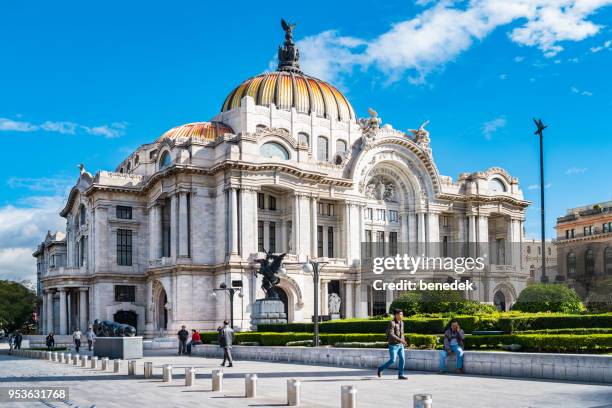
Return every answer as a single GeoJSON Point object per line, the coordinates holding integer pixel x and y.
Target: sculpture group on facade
{"type": "Point", "coordinates": [369, 127]}
{"type": "Point", "coordinates": [380, 189]}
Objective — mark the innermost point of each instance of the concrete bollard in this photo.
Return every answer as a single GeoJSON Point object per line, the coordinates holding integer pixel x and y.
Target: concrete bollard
{"type": "Point", "coordinates": [217, 380]}
{"type": "Point", "coordinates": [422, 401]}
{"type": "Point", "coordinates": [49, 355]}
{"type": "Point", "coordinates": [250, 385]}
{"type": "Point", "coordinates": [293, 392]}
{"type": "Point", "coordinates": [104, 363]}
{"type": "Point", "coordinates": [132, 367]}
{"type": "Point", "coordinates": [60, 358]}
{"type": "Point", "coordinates": [190, 375]}
{"type": "Point", "coordinates": [54, 356]}
{"type": "Point", "coordinates": [68, 358]}
{"type": "Point", "coordinates": [84, 360]}
{"type": "Point", "coordinates": [148, 369]}
{"type": "Point", "coordinates": [75, 360]}
{"type": "Point", "coordinates": [94, 362]}
{"type": "Point", "coordinates": [116, 365]}
{"type": "Point", "coordinates": [348, 396]}
{"type": "Point", "coordinates": [167, 373]}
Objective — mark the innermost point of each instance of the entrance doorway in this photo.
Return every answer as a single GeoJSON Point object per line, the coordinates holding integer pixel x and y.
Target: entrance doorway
{"type": "Point", "coordinates": [127, 317]}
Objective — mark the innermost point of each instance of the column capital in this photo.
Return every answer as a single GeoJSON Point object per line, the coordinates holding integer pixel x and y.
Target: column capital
{"type": "Point", "coordinates": [83, 289]}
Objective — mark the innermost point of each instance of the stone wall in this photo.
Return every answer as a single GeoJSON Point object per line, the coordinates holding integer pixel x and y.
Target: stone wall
{"type": "Point", "coordinates": [568, 367]}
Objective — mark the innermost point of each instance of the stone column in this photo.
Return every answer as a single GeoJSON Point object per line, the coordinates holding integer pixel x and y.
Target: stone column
{"type": "Point", "coordinates": [324, 298]}
{"type": "Point", "coordinates": [472, 234]}
{"type": "Point", "coordinates": [421, 231]}
{"type": "Point", "coordinates": [433, 235]}
{"type": "Point", "coordinates": [183, 224]}
{"type": "Point", "coordinates": [62, 312]}
{"type": "Point", "coordinates": [149, 315]}
{"type": "Point", "coordinates": [360, 311]}
{"type": "Point", "coordinates": [173, 226]}
{"type": "Point", "coordinates": [266, 235]}
{"type": "Point", "coordinates": [42, 326]}
{"type": "Point", "coordinates": [154, 231]}
{"type": "Point", "coordinates": [49, 311]}
{"type": "Point", "coordinates": [233, 202]}
{"type": "Point", "coordinates": [83, 309]}
{"type": "Point", "coordinates": [348, 301]}
{"type": "Point", "coordinates": [295, 225]}
{"type": "Point", "coordinates": [313, 227]}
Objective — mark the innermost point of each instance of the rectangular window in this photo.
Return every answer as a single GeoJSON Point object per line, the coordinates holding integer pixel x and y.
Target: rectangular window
{"type": "Point", "coordinates": [260, 236]}
{"type": "Point", "coordinates": [573, 233]}
{"type": "Point", "coordinates": [380, 242]}
{"type": "Point", "coordinates": [330, 242]}
{"type": "Point", "coordinates": [604, 228]}
{"type": "Point", "coordinates": [82, 251]}
{"type": "Point", "coordinates": [368, 240]}
{"type": "Point", "coordinates": [124, 212]}
{"type": "Point", "coordinates": [368, 213]}
{"type": "Point", "coordinates": [567, 234]}
{"type": "Point", "coordinates": [445, 246]}
{"type": "Point", "coordinates": [261, 201]}
{"type": "Point", "coordinates": [320, 241]}
{"type": "Point", "coordinates": [380, 215]}
{"type": "Point", "coordinates": [124, 247]}
{"type": "Point", "coordinates": [271, 203]}
{"type": "Point", "coordinates": [393, 216]}
{"type": "Point", "coordinates": [393, 243]}
{"type": "Point", "coordinates": [166, 241]}
{"type": "Point", "coordinates": [445, 222]}
{"type": "Point", "coordinates": [330, 209]}
{"type": "Point", "coordinates": [125, 293]}
{"type": "Point", "coordinates": [272, 232]}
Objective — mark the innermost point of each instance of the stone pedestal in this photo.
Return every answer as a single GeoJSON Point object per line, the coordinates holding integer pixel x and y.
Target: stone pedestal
{"type": "Point", "coordinates": [123, 348]}
{"type": "Point", "coordinates": [266, 311]}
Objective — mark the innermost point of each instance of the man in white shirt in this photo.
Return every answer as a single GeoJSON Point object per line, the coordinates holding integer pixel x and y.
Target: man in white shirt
{"type": "Point", "coordinates": [76, 336]}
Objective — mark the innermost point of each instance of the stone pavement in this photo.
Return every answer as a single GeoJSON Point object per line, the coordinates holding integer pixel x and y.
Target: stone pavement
{"type": "Point", "coordinates": [320, 386]}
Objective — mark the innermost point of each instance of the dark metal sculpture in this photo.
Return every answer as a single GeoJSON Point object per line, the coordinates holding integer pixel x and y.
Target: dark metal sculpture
{"type": "Point", "coordinates": [106, 328]}
{"type": "Point", "coordinates": [288, 54]}
{"type": "Point", "coordinates": [269, 269]}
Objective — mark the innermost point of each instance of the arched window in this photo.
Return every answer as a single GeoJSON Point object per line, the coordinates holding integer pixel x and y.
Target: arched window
{"type": "Point", "coordinates": [129, 166]}
{"type": "Point", "coordinates": [532, 271]}
{"type": "Point", "coordinates": [589, 262]}
{"type": "Point", "coordinates": [497, 186]}
{"type": "Point", "coordinates": [340, 146]}
{"type": "Point", "coordinates": [165, 160]}
{"type": "Point", "coordinates": [274, 150]}
{"type": "Point", "coordinates": [82, 215]}
{"type": "Point", "coordinates": [608, 260]}
{"type": "Point", "coordinates": [136, 159]}
{"type": "Point", "coordinates": [304, 138]}
{"type": "Point", "coordinates": [322, 149]}
{"type": "Point", "coordinates": [571, 264]}
{"type": "Point", "coordinates": [528, 249]}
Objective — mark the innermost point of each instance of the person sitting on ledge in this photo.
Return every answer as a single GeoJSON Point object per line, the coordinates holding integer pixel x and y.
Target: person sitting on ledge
{"type": "Point", "coordinates": [453, 343]}
{"type": "Point", "coordinates": [396, 341]}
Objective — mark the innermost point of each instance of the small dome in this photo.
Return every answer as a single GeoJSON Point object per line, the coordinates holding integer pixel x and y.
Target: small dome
{"type": "Point", "coordinates": [288, 90]}
{"type": "Point", "coordinates": [204, 131]}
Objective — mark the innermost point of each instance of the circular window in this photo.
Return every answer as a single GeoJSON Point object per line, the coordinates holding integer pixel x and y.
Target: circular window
{"type": "Point", "coordinates": [497, 186]}
{"type": "Point", "coordinates": [274, 150]}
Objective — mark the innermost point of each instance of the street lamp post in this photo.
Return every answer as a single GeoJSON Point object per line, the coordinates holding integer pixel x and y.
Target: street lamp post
{"type": "Point", "coordinates": [539, 132]}
{"type": "Point", "coordinates": [231, 291]}
{"type": "Point", "coordinates": [315, 268]}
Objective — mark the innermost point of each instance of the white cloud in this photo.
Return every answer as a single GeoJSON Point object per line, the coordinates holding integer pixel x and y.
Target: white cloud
{"type": "Point", "coordinates": [602, 47]}
{"type": "Point", "coordinates": [537, 186]}
{"type": "Point", "coordinates": [492, 126]}
{"type": "Point", "coordinates": [519, 58]}
{"type": "Point", "coordinates": [580, 92]}
{"type": "Point", "coordinates": [64, 127]}
{"type": "Point", "coordinates": [55, 185]}
{"type": "Point", "coordinates": [22, 228]}
{"type": "Point", "coordinates": [575, 170]}
{"type": "Point", "coordinates": [503, 76]}
{"type": "Point", "coordinates": [444, 30]}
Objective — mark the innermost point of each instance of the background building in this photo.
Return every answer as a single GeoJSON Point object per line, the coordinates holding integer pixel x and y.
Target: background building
{"type": "Point", "coordinates": [532, 260]}
{"type": "Point", "coordinates": [584, 245]}
{"type": "Point", "coordinates": [285, 166]}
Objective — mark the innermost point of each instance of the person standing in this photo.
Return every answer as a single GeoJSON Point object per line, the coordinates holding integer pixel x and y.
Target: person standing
{"type": "Point", "coordinates": [396, 342]}
{"type": "Point", "coordinates": [76, 336]}
{"type": "Point", "coordinates": [453, 343]}
{"type": "Point", "coordinates": [90, 335]}
{"type": "Point", "coordinates": [183, 336]}
{"type": "Point", "coordinates": [18, 339]}
{"type": "Point", "coordinates": [226, 339]}
{"type": "Point", "coordinates": [50, 341]}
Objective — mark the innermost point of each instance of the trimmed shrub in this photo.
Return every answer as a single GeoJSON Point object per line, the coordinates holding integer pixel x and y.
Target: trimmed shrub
{"type": "Point", "coordinates": [552, 343]}
{"type": "Point", "coordinates": [286, 327]}
{"type": "Point", "coordinates": [548, 297]}
{"type": "Point", "coordinates": [300, 343]}
{"type": "Point", "coordinates": [435, 301]}
{"type": "Point", "coordinates": [377, 344]}
{"type": "Point", "coordinates": [590, 330]}
{"type": "Point", "coordinates": [517, 323]}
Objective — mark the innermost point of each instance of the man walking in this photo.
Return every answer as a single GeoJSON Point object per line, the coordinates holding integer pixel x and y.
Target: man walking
{"type": "Point", "coordinates": [18, 339]}
{"type": "Point", "coordinates": [183, 335]}
{"type": "Point", "coordinates": [396, 341]}
{"type": "Point", "coordinates": [226, 339]}
{"type": "Point", "coordinates": [76, 336]}
{"type": "Point", "coordinates": [453, 343]}
{"type": "Point", "coordinates": [90, 337]}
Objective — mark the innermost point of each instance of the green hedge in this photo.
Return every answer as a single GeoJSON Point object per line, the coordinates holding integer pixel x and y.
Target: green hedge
{"type": "Point", "coordinates": [518, 323]}
{"type": "Point", "coordinates": [553, 343]}
{"type": "Point", "coordinates": [591, 330]}
{"type": "Point", "coordinates": [281, 339]}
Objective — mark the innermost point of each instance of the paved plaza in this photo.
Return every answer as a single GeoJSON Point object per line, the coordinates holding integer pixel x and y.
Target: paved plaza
{"type": "Point", "coordinates": [320, 386]}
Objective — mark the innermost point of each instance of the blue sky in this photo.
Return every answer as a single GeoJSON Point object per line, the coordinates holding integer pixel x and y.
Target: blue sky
{"type": "Point", "coordinates": [90, 81]}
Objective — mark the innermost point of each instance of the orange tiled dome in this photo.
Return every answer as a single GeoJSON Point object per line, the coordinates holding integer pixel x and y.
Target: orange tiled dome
{"type": "Point", "coordinates": [205, 131]}
{"type": "Point", "coordinates": [288, 90]}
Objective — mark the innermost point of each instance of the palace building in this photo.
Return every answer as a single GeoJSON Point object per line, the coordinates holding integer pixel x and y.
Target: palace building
{"type": "Point", "coordinates": [286, 166]}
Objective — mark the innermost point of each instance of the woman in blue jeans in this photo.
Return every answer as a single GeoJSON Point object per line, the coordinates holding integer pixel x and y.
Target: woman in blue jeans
{"type": "Point", "coordinates": [453, 343]}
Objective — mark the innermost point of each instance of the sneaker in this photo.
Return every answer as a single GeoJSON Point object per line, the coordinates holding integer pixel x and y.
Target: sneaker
{"type": "Point", "coordinates": [402, 377]}
{"type": "Point", "coordinates": [231, 365]}
{"type": "Point", "coordinates": [379, 372]}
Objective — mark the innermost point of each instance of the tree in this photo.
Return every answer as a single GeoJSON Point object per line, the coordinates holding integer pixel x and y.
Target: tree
{"type": "Point", "coordinates": [548, 297]}
{"type": "Point", "coordinates": [17, 305]}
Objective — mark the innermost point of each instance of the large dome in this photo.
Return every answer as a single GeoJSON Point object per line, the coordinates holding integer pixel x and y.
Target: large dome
{"type": "Point", "coordinates": [288, 87]}
{"type": "Point", "coordinates": [203, 131]}
{"type": "Point", "coordinates": [288, 90]}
